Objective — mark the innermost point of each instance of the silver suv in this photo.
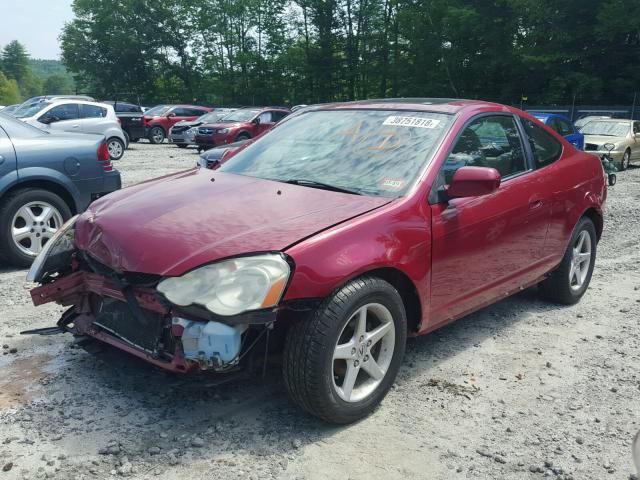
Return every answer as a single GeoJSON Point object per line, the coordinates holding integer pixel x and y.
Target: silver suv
{"type": "Point", "coordinates": [80, 116]}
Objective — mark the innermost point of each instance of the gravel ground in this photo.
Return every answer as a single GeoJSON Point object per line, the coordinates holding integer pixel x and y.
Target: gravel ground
{"type": "Point", "coordinates": [519, 390]}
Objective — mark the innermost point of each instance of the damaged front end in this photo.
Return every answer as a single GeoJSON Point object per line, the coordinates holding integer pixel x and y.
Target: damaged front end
{"type": "Point", "coordinates": [207, 319]}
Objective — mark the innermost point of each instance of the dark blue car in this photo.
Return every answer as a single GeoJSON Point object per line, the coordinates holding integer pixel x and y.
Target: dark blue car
{"type": "Point", "coordinates": [563, 126]}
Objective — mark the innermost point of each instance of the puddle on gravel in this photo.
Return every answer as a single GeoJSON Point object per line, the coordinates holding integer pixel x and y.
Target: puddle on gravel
{"type": "Point", "coordinates": [18, 379]}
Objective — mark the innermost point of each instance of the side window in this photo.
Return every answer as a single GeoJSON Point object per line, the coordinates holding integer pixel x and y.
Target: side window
{"type": "Point", "coordinates": [563, 127]}
{"type": "Point", "coordinates": [279, 115]}
{"type": "Point", "coordinates": [68, 111]}
{"type": "Point", "coordinates": [636, 127]}
{"type": "Point", "coordinates": [492, 141]}
{"type": "Point", "coordinates": [195, 112]}
{"type": "Point", "coordinates": [545, 148]}
{"type": "Point", "coordinates": [265, 117]}
{"type": "Point", "coordinates": [180, 112]}
{"type": "Point", "coordinates": [93, 111]}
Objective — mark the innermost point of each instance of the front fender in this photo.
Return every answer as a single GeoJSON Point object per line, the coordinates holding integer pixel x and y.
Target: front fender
{"type": "Point", "coordinates": [391, 237]}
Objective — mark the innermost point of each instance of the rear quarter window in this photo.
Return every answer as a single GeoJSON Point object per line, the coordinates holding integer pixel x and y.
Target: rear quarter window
{"type": "Point", "coordinates": [545, 148]}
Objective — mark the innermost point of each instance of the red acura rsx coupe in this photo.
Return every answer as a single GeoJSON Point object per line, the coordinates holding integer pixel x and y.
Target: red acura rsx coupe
{"type": "Point", "coordinates": [334, 236]}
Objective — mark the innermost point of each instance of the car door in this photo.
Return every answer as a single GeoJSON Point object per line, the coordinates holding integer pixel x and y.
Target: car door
{"type": "Point", "coordinates": [182, 114]}
{"type": "Point", "coordinates": [265, 121]}
{"type": "Point", "coordinates": [8, 162]}
{"type": "Point", "coordinates": [485, 247]}
{"type": "Point", "coordinates": [64, 117]}
{"type": "Point", "coordinates": [92, 118]}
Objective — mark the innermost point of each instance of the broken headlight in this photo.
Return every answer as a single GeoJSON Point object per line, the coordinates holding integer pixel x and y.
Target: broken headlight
{"type": "Point", "coordinates": [231, 286]}
{"type": "Point", "coordinates": [56, 253]}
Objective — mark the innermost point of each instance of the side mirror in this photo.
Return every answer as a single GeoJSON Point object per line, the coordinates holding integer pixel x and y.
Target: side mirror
{"type": "Point", "coordinates": [48, 119]}
{"type": "Point", "coordinates": [171, 115]}
{"type": "Point", "coordinates": [256, 121]}
{"type": "Point", "coordinates": [473, 182]}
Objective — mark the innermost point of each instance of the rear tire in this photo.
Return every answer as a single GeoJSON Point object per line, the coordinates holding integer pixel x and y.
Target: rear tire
{"type": "Point", "coordinates": [157, 135]}
{"type": "Point", "coordinates": [567, 284]}
{"type": "Point", "coordinates": [11, 219]}
{"type": "Point", "coordinates": [338, 341]}
{"type": "Point", "coordinates": [116, 148]}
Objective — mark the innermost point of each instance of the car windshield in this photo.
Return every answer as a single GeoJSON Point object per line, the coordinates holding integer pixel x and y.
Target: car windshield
{"type": "Point", "coordinates": [371, 152]}
{"type": "Point", "coordinates": [609, 129]}
{"type": "Point", "coordinates": [157, 110]}
{"type": "Point", "coordinates": [239, 116]}
{"type": "Point", "coordinates": [29, 110]}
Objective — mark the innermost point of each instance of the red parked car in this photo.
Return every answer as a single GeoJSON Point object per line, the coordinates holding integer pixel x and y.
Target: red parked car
{"type": "Point", "coordinates": [240, 124]}
{"type": "Point", "coordinates": [342, 231]}
{"type": "Point", "coordinates": [159, 119]}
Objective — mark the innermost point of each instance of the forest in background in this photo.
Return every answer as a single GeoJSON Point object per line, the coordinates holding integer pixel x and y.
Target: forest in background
{"type": "Point", "coordinates": [22, 77]}
{"type": "Point", "coordinates": [243, 52]}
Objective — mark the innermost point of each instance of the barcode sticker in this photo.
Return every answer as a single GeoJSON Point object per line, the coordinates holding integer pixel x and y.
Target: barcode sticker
{"type": "Point", "coordinates": [418, 122]}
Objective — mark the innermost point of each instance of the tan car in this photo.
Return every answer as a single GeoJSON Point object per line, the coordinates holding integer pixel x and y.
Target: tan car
{"type": "Point", "coordinates": [624, 134]}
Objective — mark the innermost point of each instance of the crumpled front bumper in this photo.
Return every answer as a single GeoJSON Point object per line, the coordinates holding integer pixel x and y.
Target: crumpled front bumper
{"type": "Point", "coordinates": [77, 288]}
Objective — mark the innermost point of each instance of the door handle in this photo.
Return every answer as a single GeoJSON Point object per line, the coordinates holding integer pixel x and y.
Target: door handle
{"type": "Point", "coordinates": [75, 126]}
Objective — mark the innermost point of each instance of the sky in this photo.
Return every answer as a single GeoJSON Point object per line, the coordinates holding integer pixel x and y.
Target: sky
{"type": "Point", "coordinates": [36, 24]}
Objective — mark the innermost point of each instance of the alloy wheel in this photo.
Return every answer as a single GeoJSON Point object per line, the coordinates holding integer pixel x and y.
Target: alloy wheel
{"type": "Point", "coordinates": [363, 352]}
{"type": "Point", "coordinates": [625, 160]}
{"type": "Point", "coordinates": [580, 260]}
{"type": "Point", "coordinates": [33, 225]}
{"type": "Point", "coordinates": [115, 149]}
{"type": "Point", "coordinates": [158, 135]}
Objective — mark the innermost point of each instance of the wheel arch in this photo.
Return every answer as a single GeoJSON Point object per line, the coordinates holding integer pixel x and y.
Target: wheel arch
{"type": "Point", "coordinates": [407, 290]}
{"type": "Point", "coordinates": [596, 217]}
{"type": "Point", "coordinates": [44, 184]}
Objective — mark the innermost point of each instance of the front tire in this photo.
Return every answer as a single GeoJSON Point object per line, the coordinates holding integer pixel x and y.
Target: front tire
{"type": "Point", "coordinates": [242, 136]}
{"type": "Point", "coordinates": [626, 159]}
{"type": "Point", "coordinates": [28, 219]}
{"type": "Point", "coordinates": [340, 362]}
{"type": "Point", "coordinates": [567, 284]}
{"type": "Point", "coordinates": [157, 135]}
{"type": "Point", "coordinates": [116, 148]}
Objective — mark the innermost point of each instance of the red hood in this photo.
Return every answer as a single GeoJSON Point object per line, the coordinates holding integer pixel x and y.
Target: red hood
{"type": "Point", "coordinates": [168, 226]}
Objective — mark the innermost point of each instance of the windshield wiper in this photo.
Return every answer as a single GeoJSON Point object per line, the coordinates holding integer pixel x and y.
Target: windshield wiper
{"type": "Point", "coordinates": [323, 186]}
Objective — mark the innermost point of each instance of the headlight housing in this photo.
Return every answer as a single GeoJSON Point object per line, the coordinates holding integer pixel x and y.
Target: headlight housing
{"type": "Point", "coordinates": [231, 286]}
{"type": "Point", "coordinates": [222, 130]}
{"type": "Point", "coordinates": [56, 252]}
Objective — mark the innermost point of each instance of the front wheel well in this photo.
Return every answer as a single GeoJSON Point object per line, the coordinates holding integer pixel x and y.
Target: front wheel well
{"type": "Point", "coordinates": [407, 290]}
{"type": "Point", "coordinates": [52, 187]}
{"type": "Point", "coordinates": [596, 218]}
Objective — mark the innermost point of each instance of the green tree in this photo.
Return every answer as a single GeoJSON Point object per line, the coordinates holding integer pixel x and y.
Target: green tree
{"type": "Point", "coordinates": [15, 61]}
{"type": "Point", "coordinates": [57, 84]}
{"type": "Point", "coordinates": [9, 92]}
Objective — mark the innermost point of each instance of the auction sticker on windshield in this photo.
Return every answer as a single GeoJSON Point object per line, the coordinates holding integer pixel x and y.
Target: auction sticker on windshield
{"type": "Point", "coordinates": [399, 121]}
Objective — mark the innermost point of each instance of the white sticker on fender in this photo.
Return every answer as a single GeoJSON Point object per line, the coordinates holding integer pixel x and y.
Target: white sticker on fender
{"type": "Point", "coordinates": [398, 121]}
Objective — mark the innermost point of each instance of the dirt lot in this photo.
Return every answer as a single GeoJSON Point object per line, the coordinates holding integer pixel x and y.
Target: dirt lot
{"type": "Point", "coordinates": [519, 390]}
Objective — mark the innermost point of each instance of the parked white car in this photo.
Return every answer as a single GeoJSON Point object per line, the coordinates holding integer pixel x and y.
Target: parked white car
{"type": "Point", "coordinates": [77, 116]}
